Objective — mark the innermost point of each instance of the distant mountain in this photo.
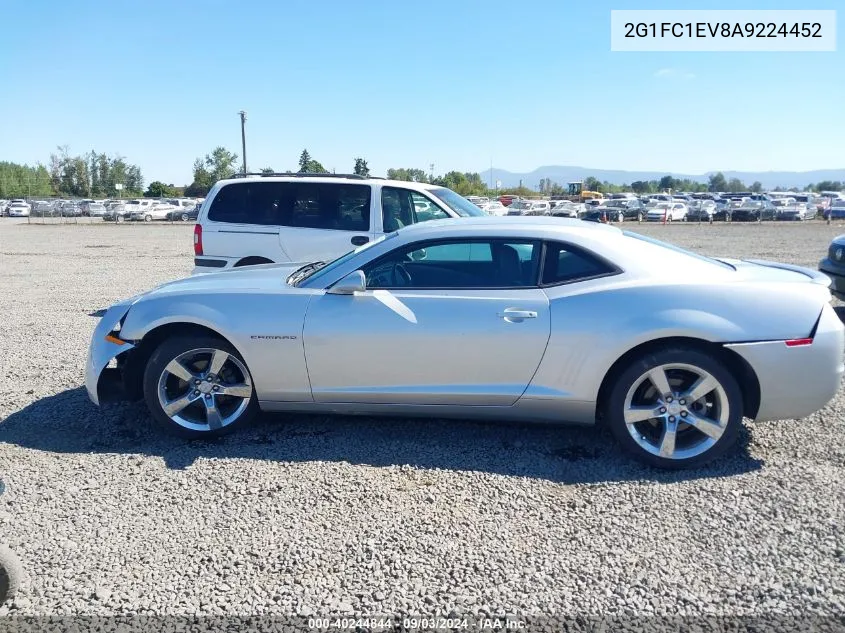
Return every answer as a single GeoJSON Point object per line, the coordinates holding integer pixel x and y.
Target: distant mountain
{"type": "Point", "coordinates": [563, 174]}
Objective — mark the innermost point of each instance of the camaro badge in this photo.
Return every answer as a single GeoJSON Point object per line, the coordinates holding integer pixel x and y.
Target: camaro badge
{"type": "Point", "coordinates": [274, 338]}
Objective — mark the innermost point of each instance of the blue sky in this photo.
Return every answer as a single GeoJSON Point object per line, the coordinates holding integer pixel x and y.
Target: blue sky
{"type": "Point", "coordinates": [403, 84]}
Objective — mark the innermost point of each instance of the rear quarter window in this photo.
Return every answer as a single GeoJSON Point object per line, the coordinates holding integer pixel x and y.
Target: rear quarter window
{"type": "Point", "coordinates": [565, 263]}
{"type": "Point", "coordinates": [330, 206]}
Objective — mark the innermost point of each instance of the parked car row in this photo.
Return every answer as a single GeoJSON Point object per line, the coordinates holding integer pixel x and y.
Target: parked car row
{"type": "Point", "coordinates": [679, 208]}
{"type": "Point", "coordinates": [139, 210]}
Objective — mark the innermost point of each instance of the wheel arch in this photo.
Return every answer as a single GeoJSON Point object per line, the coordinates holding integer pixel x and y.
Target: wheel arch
{"type": "Point", "coordinates": [736, 364]}
{"type": "Point", "coordinates": [253, 260]}
{"type": "Point", "coordinates": [136, 361]}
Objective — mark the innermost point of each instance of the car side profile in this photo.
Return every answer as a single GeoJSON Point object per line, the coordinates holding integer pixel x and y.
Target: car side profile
{"type": "Point", "coordinates": [272, 218]}
{"type": "Point", "coordinates": [545, 319]}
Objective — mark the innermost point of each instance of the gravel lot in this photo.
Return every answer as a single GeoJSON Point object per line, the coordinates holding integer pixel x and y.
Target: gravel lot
{"type": "Point", "coordinates": [315, 515]}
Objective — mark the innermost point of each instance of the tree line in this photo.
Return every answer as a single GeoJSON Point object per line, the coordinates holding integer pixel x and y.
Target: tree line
{"type": "Point", "coordinates": [89, 175]}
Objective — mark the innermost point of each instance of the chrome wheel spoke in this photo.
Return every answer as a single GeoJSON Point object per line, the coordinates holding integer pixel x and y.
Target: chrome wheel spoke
{"type": "Point", "coordinates": [658, 378]}
{"type": "Point", "coordinates": [636, 414]}
{"type": "Point", "coordinates": [241, 390]}
{"type": "Point", "coordinates": [175, 406]}
{"type": "Point", "coordinates": [667, 440]}
{"type": "Point", "coordinates": [701, 388]}
{"type": "Point", "coordinates": [179, 370]}
{"type": "Point", "coordinates": [212, 415]}
{"type": "Point", "coordinates": [218, 359]}
{"type": "Point", "coordinates": [708, 427]}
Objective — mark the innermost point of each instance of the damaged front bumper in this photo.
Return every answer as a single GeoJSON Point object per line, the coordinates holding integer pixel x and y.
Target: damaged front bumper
{"type": "Point", "coordinates": [102, 381]}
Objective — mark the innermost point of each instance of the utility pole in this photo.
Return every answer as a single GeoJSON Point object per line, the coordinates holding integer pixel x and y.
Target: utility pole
{"type": "Point", "coordinates": [243, 136]}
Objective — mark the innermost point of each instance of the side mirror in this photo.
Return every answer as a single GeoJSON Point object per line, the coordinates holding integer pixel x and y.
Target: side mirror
{"type": "Point", "coordinates": [418, 255]}
{"type": "Point", "coordinates": [349, 285]}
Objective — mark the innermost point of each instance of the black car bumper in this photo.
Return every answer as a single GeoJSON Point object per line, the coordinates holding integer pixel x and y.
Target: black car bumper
{"type": "Point", "coordinates": [836, 272]}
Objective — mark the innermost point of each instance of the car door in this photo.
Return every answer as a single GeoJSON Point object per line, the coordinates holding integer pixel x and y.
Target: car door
{"type": "Point", "coordinates": [444, 323]}
{"type": "Point", "coordinates": [322, 221]}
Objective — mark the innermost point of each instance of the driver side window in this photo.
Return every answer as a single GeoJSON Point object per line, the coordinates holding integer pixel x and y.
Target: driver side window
{"type": "Point", "coordinates": [458, 264]}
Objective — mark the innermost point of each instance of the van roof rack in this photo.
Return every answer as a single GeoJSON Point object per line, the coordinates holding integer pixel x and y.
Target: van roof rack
{"type": "Point", "coordinates": [298, 174]}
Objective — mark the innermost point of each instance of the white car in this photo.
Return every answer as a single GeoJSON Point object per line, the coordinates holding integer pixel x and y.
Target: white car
{"type": "Point", "coordinates": [530, 207]}
{"type": "Point", "coordinates": [19, 209]}
{"type": "Point", "coordinates": [494, 208]}
{"type": "Point", "coordinates": [282, 219]}
{"type": "Point", "coordinates": [670, 211]}
{"type": "Point", "coordinates": [147, 210]}
{"type": "Point", "coordinates": [567, 209]}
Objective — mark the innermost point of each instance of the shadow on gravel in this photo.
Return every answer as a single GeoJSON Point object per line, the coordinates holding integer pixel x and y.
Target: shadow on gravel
{"type": "Point", "coordinates": [69, 423]}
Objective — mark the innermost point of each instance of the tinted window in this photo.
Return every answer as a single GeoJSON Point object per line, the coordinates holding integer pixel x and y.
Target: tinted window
{"type": "Point", "coordinates": [458, 264]}
{"type": "Point", "coordinates": [401, 207]}
{"type": "Point", "coordinates": [565, 263]}
{"type": "Point", "coordinates": [331, 206]}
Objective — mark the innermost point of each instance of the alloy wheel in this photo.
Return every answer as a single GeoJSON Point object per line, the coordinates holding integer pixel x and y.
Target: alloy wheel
{"type": "Point", "coordinates": [676, 411]}
{"type": "Point", "coordinates": [204, 389]}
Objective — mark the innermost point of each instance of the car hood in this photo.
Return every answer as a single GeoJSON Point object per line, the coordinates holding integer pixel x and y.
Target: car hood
{"type": "Point", "coordinates": [270, 277]}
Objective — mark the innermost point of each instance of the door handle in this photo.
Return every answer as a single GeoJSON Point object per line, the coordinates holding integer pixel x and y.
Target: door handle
{"type": "Point", "coordinates": [512, 314]}
{"type": "Point", "coordinates": [359, 240]}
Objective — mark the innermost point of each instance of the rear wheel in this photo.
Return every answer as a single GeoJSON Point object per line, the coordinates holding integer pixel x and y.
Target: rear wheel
{"type": "Point", "coordinates": [119, 218]}
{"type": "Point", "coordinates": [148, 218]}
{"type": "Point", "coordinates": [675, 408]}
{"type": "Point", "coordinates": [199, 386]}
{"type": "Point", "coordinates": [185, 217]}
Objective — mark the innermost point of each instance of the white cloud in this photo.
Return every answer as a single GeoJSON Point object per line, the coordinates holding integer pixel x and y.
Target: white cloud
{"type": "Point", "coordinates": [674, 73]}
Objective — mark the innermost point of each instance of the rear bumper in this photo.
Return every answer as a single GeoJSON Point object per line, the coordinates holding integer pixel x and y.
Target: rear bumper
{"type": "Point", "coordinates": [798, 381]}
{"type": "Point", "coordinates": [212, 264]}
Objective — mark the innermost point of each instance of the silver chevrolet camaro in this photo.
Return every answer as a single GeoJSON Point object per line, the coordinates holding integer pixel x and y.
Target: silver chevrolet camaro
{"type": "Point", "coordinates": [540, 319]}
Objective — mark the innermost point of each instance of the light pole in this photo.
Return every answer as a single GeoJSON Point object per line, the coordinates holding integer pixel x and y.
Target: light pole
{"type": "Point", "coordinates": [243, 136]}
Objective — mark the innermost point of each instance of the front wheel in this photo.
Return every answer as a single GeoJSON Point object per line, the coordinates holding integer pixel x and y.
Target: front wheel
{"type": "Point", "coordinates": [675, 408]}
{"type": "Point", "coordinates": [199, 386]}
{"type": "Point", "coordinates": [148, 218]}
{"type": "Point", "coordinates": [185, 217]}
{"type": "Point", "coordinates": [119, 218]}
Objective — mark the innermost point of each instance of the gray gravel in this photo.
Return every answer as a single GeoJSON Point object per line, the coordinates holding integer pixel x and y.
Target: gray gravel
{"type": "Point", "coordinates": [311, 515]}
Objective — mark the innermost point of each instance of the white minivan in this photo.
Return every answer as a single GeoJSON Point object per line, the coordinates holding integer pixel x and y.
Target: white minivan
{"type": "Point", "coordinates": [298, 219]}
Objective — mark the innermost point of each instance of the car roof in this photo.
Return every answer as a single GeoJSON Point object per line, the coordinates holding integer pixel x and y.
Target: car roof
{"type": "Point", "coordinates": [539, 226]}
{"type": "Point", "coordinates": [333, 179]}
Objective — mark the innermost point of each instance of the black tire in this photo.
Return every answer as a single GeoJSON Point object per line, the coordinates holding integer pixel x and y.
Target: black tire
{"type": "Point", "coordinates": [613, 409]}
{"type": "Point", "coordinates": [252, 261]}
{"type": "Point", "coordinates": [185, 217]}
{"type": "Point", "coordinates": [11, 574]}
{"type": "Point", "coordinates": [639, 217]}
{"type": "Point", "coordinates": [119, 218]}
{"type": "Point", "coordinates": [171, 349]}
{"type": "Point", "coordinates": [148, 218]}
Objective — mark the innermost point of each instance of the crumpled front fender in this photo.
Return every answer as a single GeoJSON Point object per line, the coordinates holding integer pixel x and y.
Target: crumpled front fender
{"type": "Point", "coordinates": [102, 351]}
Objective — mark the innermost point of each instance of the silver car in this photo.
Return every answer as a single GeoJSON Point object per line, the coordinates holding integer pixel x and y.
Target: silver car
{"type": "Point", "coordinates": [547, 319]}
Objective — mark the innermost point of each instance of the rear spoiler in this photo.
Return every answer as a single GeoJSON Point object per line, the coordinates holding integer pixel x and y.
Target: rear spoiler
{"type": "Point", "coordinates": [815, 276]}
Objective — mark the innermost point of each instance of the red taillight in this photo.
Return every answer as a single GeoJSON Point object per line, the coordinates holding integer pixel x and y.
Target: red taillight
{"type": "Point", "coordinates": [197, 239]}
{"type": "Point", "coordinates": [799, 341]}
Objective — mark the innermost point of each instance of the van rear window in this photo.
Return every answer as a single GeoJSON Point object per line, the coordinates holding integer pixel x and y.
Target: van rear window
{"type": "Point", "coordinates": [341, 207]}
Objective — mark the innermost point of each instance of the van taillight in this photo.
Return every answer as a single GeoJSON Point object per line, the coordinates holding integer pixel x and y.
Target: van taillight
{"type": "Point", "coordinates": [197, 239]}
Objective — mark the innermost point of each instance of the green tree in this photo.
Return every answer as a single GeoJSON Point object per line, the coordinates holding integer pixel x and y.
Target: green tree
{"type": "Point", "coordinates": [304, 161]}
{"type": "Point", "coordinates": [361, 168]}
{"type": "Point", "coordinates": [158, 189]}
{"type": "Point", "coordinates": [591, 184]}
{"type": "Point", "coordinates": [756, 186]}
{"type": "Point", "coordinates": [735, 185]}
{"type": "Point", "coordinates": [830, 185]}
{"type": "Point", "coordinates": [409, 175]}
{"type": "Point", "coordinates": [640, 186]}
{"type": "Point", "coordinates": [218, 165]}
{"type": "Point", "coordinates": [717, 182]}
{"type": "Point", "coordinates": [268, 170]}
{"type": "Point", "coordinates": [667, 182]}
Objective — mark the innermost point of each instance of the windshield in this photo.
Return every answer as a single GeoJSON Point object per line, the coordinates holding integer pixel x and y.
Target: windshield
{"type": "Point", "coordinates": [677, 249]}
{"type": "Point", "coordinates": [320, 270]}
{"type": "Point", "coordinates": [458, 204]}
